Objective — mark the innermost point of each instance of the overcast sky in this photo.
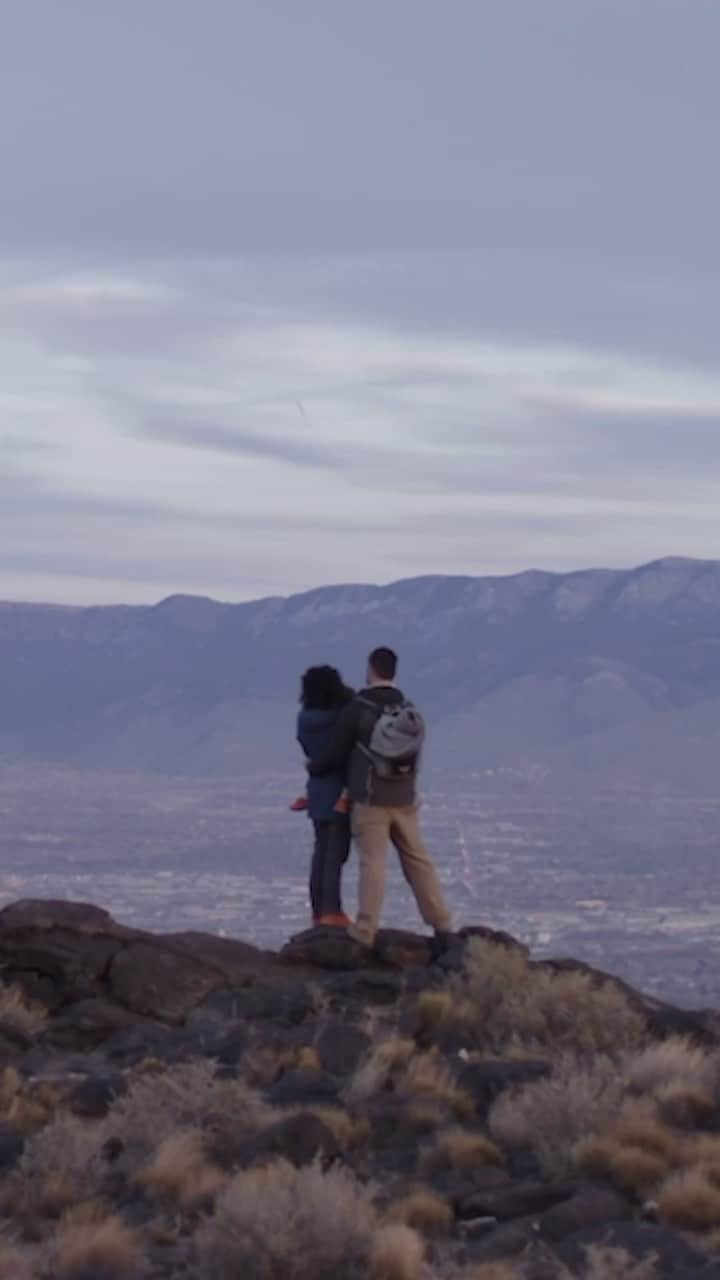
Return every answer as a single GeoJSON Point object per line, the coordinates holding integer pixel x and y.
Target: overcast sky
{"type": "Point", "coordinates": [308, 291]}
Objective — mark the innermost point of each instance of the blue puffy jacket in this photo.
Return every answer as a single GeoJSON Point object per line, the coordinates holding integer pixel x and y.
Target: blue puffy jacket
{"type": "Point", "coordinates": [314, 733]}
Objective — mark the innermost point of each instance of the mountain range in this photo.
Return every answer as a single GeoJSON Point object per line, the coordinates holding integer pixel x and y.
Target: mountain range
{"type": "Point", "coordinates": [607, 674]}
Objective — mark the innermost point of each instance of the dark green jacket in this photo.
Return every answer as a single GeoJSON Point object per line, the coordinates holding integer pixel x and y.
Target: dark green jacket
{"type": "Point", "coordinates": [355, 725]}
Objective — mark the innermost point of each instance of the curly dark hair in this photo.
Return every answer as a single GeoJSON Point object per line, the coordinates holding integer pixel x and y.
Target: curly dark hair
{"type": "Point", "coordinates": [323, 688]}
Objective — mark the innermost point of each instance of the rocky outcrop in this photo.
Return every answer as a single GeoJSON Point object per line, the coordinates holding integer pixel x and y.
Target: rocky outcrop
{"type": "Point", "coordinates": [299, 1029]}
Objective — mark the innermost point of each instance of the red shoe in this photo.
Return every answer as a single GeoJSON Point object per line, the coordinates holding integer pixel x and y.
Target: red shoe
{"type": "Point", "coordinates": [299, 805]}
{"type": "Point", "coordinates": [337, 920]}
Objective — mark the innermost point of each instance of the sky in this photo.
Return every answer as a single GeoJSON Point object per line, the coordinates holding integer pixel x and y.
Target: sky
{"type": "Point", "coordinates": [296, 292]}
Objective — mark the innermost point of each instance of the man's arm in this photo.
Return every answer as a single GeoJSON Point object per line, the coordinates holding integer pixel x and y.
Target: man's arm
{"type": "Point", "coordinates": [334, 758]}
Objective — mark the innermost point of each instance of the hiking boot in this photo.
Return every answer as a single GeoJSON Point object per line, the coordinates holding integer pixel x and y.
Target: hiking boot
{"type": "Point", "coordinates": [335, 920]}
{"type": "Point", "coordinates": [299, 805]}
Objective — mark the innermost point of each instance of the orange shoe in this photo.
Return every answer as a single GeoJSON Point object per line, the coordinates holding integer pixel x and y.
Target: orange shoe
{"type": "Point", "coordinates": [336, 920]}
{"type": "Point", "coordinates": [299, 805]}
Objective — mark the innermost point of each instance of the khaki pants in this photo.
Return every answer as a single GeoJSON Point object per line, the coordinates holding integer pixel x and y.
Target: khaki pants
{"type": "Point", "coordinates": [373, 828]}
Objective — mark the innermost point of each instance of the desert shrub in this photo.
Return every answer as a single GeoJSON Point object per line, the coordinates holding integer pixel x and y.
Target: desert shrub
{"type": "Point", "coordinates": [19, 1014]}
{"type": "Point", "coordinates": [427, 1076]}
{"type": "Point", "coordinates": [463, 1149]}
{"type": "Point", "coordinates": [189, 1095]}
{"type": "Point", "coordinates": [282, 1223]}
{"type": "Point", "coordinates": [602, 1262]}
{"type": "Point", "coordinates": [107, 1248]}
{"type": "Point", "coordinates": [606, 1263]}
{"type": "Point", "coordinates": [702, 1151]}
{"type": "Point", "coordinates": [685, 1107]}
{"type": "Point", "coordinates": [636, 1171]}
{"type": "Point", "coordinates": [506, 1001]}
{"type": "Point", "coordinates": [62, 1164]}
{"type": "Point", "coordinates": [180, 1171]}
{"type": "Point", "coordinates": [690, 1201]}
{"type": "Point", "coordinates": [16, 1263]}
{"type": "Point", "coordinates": [675, 1062]}
{"type": "Point", "coordinates": [348, 1130]}
{"type": "Point", "coordinates": [551, 1116]}
{"type": "Point", "coordinates": [638, 1151]}
{"type": "Point", "coordinates": [396, 1253]}
{"type": "Point", "coordinates": [380, 1066]}
{"type": "Point", "coordinates": [433, 1008]}
{"type": "Point", "coordinates": [423, 1210]}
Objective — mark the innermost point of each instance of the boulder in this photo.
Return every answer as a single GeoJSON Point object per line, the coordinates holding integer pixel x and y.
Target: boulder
{"type": "Point", "coordinates": [341, 1047]}
{"type": "Point", "coordinates": [590, 1206]}
{"type": "Point", "coordinates": [514, 1200]}
{"type": "Point", "coordinates": [297, 1088]}
{"type": "Point", "coordinates": [12, 1145]}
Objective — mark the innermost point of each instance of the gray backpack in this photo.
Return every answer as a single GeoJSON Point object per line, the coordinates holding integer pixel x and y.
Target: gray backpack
{"type": "Point", "coordinates": [396, 739]}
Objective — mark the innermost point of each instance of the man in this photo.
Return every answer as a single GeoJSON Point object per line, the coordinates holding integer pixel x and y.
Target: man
{"type": "Point", "coordinates": [384, 805]}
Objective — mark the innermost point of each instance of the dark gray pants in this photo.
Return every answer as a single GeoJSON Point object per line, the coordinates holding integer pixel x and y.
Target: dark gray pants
{"type": "Point", "coordinates": [332, 849]}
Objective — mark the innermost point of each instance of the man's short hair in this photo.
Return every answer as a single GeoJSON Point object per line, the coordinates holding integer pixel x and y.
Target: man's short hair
{"type": "Point", "coordinates": [384, 663]}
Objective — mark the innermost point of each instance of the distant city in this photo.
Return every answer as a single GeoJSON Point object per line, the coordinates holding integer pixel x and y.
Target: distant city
{"type": "Point", "coordinates": [627, 882]}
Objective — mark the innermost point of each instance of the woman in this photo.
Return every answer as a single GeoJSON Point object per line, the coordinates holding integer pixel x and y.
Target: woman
{"type": "Point", "coordinates": [323, 697]}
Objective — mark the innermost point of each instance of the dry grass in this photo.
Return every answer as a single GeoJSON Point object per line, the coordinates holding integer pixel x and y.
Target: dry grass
{"type": "Point", "coordinates": [397, 1253]}
{"type": "Point", "coordinates": [505, 1001]}
{"type": "Point", "coordinates": [35, 1105]}
{"type": "Point", "coordinates": [685, 1107]}
{"type": "Point", "coordinates": [702, 1151]}
{"type": "Point", "coordinates": [15, 1262]}
{"type": "Point", "coordinates": [107, 1248]}
{"type": "Point", "coordinates": [433, 1009]}
{"type": "Point", "coordinates": [423, 1210]}
{"type": "Point", "coordinates": [463, 1149]}
{"type": "Point", "coordinates": [550, 1117]}
{"type": "Point", "coordinates": [424, 1116]}
{"type": "Point", "coordinates": [427, 1076]}
{"type": "Point", "coordinates": [180, 1172]}
{"type": "Point", "coordinates": [19, 1014]}
{"type": "Point", "coordinates": [383, 1062]}
{"type": "Point", "coordinates": [61, 1165]}
{"type": "Point", "coordinates": [187, 1096]}
{"type": "Point", "coordinates": [349, 1131]}
{"type": "Point", "coordinates": [673, 1062]}
{"type": "Point", "coordinates": [264, 1065]}
{"type": "Point", "coordinates": [605, 1263]}
{"type": "Point", "coordinates": [690, 1201]}
{"type": "Point", "coordinates": [638, 1152]}
{"type": "Point", "coordinates": [493, 1271]}
{"type": "Point", "coordinates": [276, 1222]}
{"type": "Point", "coordinates": [636, 1171]}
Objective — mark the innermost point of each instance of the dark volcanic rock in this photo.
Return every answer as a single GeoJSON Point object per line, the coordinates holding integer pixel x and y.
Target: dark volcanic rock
{"type": "Point", "coordinates": [515, 1200]}
{"type": "Point", "coordinates": [675, 1258]}
{"type": "Point", "coordinates": [348, 990]}
{"type": "Point", "coordinates": [300, 1087]}
{"type": "Point", "coordinates": [12, 1145]}
{"type": "Point", "coordinates": [327, 949]}
{"type": "Point", "coordinates": [485, 1081]}
{"type": "Point", "coordinates": [591, 1206]}
{"type": "Point", "coordinates": [299, 1139]}
{"type": "Point", "coordinates": [93, 1097]}
{"type": "Point", "coordinates": [341, 1047]}
{"type": "Point", "coordinates": [159, 983]}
